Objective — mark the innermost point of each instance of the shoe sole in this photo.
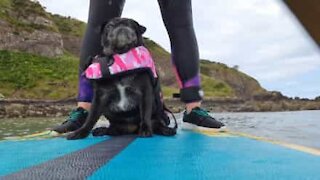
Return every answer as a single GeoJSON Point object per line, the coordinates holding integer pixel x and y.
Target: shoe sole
{"type": "Point", "coordinates": [189, 126]}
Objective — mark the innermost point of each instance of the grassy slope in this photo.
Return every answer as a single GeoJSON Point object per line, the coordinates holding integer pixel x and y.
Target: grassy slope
{"type": "Point", "coordinates": [69, 26]}
{"type": "Point", "coordinates": [13, 11]}
{"type": "Point", "coordinates": [24, 75]}
{"type": "Point", "coordinates": [241, 84]}
{"type": "Point", "coordinates": [215, 88]}
{"type": "Point", "coordinates": [56, 78]}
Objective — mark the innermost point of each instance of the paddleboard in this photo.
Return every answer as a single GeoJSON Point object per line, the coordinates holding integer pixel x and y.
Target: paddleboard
{"type": "Point", "coordinates": [200, 154]}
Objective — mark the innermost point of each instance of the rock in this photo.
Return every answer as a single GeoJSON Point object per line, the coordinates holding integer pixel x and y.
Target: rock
{"type": "Point", "coordinates": [30, 112]}
{"type": "Point", "coordinates": [39, 20]}
{"type": "Point", "coordinates": [59, 114]}
{"type": "Point", "coordinates": [14, 110]}
{"type": "Point", "coordinates": [42, 42]}
{"type": "Point", "coordinates": [1, 96]}
{"type": "Point", "coordinates": [269, 96]}
{"type": "Point", "coordinates": [72, 44]}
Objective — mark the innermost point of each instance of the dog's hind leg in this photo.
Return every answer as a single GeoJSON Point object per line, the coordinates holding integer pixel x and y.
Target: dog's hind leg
{"type": "Point", "coordinates": [161, 128]}
{"type": "Point", "coordinates": [145, 108]}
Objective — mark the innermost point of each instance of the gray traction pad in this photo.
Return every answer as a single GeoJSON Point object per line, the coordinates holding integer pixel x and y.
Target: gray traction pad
{"type": "Point", "coordinates": [76, 165]}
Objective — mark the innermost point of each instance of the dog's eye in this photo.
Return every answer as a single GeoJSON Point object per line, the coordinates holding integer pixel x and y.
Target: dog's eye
{"type": "Point", "coordinates": [108, 26]}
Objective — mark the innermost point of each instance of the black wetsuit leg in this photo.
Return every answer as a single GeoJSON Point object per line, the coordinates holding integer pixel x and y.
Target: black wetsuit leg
{"type": "Point", "coordinates": [177, 17]}
{"type": "Point", "coordinates": [100, 11]}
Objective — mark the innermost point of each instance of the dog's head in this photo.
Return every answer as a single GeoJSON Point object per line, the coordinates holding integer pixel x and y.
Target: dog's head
{"type": "Point", "coordinates": [119, 35]}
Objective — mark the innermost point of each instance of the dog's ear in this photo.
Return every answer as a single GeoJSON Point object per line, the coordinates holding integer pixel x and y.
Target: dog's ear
{"type": "Point", "coordinates": [142, 29]}
{"type": "Point", "coordinates": [104, 41]}
{"type": "Point", "coordinates": [101, 27]}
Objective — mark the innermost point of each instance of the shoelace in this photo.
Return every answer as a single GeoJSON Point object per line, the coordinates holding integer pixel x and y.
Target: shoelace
{"type": "Point", "coordinates": [74, 115]}
{"type": "Point", "coordinates": [201, 112]}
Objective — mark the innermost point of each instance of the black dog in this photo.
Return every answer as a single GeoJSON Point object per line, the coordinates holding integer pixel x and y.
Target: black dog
{"type": "Point", "coordinates": [130, 102]}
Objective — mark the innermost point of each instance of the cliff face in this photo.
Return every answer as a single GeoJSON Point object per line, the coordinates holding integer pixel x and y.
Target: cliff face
{"type": "Point", "coordinates": [72, 31]}
{"type": "Point", "coordinates": [25, 26]}
{"type": "Point", "coordinates": [44, 43]}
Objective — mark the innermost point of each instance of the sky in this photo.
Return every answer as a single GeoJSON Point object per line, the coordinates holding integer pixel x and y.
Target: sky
{"type": "Point", "coordinates": [262, 38]}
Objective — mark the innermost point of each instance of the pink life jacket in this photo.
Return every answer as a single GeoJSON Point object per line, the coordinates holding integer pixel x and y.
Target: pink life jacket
{"type": "Point", "coordinates": [138, 58]}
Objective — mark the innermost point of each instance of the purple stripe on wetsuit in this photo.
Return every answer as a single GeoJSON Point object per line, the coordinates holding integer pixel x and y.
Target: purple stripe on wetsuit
{"type": "Point", "coordinates": [194, 82]}
{"type": "Point", "coordinates": [85, 91]}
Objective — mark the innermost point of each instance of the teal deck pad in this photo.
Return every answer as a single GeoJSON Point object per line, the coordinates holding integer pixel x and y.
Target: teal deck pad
{"type": "Point", "coordinates": [76, 165]}
{"type": "Point", "coordinates": [17, 155]}
{"type": "Point", "coordinates": [195, 156]}
{"type": "Point", "coordinates": [188, 155]}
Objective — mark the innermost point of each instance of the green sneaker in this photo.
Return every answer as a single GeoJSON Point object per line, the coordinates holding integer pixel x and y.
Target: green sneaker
{"type": "Point", "coordinates": [76, 119]}
{"type": "Point", "coordinates": [200, 117]}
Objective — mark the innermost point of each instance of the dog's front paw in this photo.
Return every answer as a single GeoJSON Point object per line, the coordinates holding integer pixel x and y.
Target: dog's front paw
{"type": "Point", "coordinates": [78, 134]}
{"type": "Point", "coordinates": [100, 131]}
{"type": "Point", "coordinates": [145, 131]}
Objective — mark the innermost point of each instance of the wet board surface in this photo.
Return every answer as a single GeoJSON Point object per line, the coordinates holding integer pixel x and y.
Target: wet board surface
{"type": "Point", "coordinates": [188, 155]}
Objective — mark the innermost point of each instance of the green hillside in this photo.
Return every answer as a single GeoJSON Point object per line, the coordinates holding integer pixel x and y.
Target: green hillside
{"type": "Point", "coordinates": [16, 12]}
{"type": "Point", "coordinates": [24, 75]}
{"type": "Point", "coordinates": [69, 26]}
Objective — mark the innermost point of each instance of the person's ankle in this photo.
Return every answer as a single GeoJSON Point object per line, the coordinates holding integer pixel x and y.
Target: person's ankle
{"type": "Point", "coordinates": [84, 105]}
{"type": "Point", "coordinates": [190, 106]}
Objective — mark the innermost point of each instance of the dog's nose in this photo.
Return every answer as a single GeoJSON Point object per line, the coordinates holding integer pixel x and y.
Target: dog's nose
{"type": "Point", "coordinates": [122, 37]}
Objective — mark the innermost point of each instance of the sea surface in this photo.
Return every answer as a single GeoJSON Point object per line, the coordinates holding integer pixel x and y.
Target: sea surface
{"type": "Point", "coordinates": [298, 127]}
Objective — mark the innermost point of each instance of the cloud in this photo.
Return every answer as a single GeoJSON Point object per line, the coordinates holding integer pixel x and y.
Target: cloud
{"type": "Point", "coordinates": [262, 37]}
{"type": "Point", "coordinates": [149, 15]}
{"type": "Point", "coordinates": [74, 8]}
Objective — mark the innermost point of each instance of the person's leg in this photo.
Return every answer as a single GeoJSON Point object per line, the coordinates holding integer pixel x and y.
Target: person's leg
{"type": "Point", "coordinates": [100, 11]}
{"type": "Point", "coordinates": [177, 17]}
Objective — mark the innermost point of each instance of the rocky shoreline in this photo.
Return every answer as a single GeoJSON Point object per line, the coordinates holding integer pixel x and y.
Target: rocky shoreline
{"type": "Point", "coordinates": [47, 108]}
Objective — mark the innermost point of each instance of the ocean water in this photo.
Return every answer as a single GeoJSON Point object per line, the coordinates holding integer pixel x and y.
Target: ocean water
{"type": "Point", "coordinates": [298, 127]}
